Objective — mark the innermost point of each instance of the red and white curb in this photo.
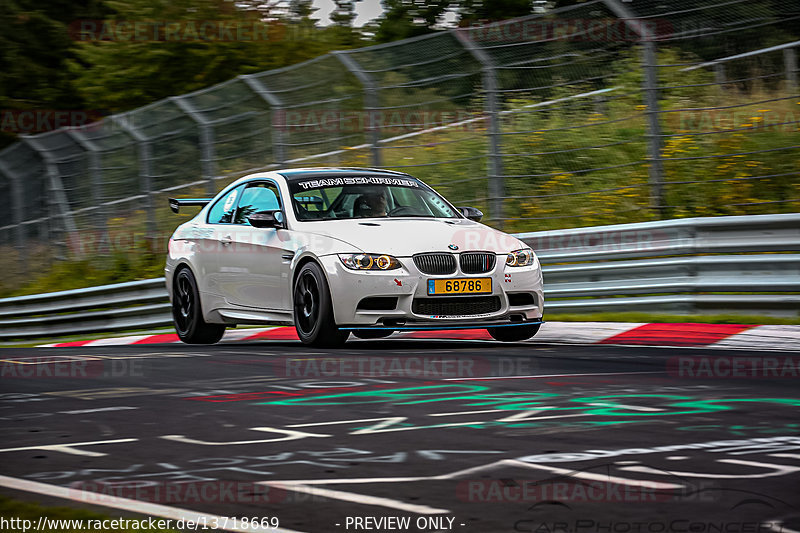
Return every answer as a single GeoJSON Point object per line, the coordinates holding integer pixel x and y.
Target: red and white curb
{"type": "Point", "coordinates": [728, 336]}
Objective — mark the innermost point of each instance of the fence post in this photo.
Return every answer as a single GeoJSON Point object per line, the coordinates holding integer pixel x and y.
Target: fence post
{"type": "Point", "coordinates": [654, 128]}
{"type": "Point", "coordinates": [497, 186]}
{"type": "Point", "coordinates": [650, 86]}
{"type": "Point", "coordinates": [790, 62]}
{"type": "Point", "coordinates": [206, 142]}
{"type": "Point", "coordinates": [719, 77]}
{"type": "Point", "coordinates": [58, 196]}
{"type": "Point", "coordinates": [275, 106]}
{"type": "Point", "coordinates": [96, 174]}
{"type": "Point", "coordinates": [144, 152]}
{"type": "Point", "coordinates": [371, 102]}
{"type": "Point", "coordinates": [17, 210]}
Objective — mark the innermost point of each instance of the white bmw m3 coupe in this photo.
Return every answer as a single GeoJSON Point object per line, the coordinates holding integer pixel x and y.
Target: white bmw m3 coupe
{"type": "Point", "coordinates": [335, 251]}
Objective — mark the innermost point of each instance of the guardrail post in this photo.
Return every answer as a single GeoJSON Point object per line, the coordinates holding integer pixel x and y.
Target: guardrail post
{"type": "Point", "coordinates": [790, 62]}
{"type": "Point", "coordinates": [206, 142]}
{"type": "Point", "coordinates": [144, 152]}
{"type": "Point", "coordinates": [276, 107]}
{"type": "Point", "coordinates": [650, 86]}
{"type": "Point", "coordinates": [17, 210]}
{"type": "Point", "coordinates": [371, 102]}
{"type": "Point", "coordinates": [497, 186]}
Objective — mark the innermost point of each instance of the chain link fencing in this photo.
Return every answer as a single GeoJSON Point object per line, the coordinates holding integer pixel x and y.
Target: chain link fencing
{"type": "Point", "coordinates": [601, 113]}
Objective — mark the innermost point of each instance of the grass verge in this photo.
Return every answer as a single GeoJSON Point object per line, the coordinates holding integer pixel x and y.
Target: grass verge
{"type": "Point", "coordinates": [15, 512]}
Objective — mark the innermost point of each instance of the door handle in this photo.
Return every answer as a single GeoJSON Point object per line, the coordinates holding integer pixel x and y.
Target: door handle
{"type": "Point", "coordinates": [226, 240]}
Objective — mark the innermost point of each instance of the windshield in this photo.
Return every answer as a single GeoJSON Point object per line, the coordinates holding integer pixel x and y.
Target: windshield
{"type": "Point", "coordinates": [366, 197]}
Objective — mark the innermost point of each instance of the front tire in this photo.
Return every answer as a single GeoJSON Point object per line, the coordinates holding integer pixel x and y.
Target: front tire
{"type": "Point", "coordinates": [188, 315]}
{"type": "Point", "coordinates": [313, 310]}
{"type": "Point", "coordinates": [514, 333]}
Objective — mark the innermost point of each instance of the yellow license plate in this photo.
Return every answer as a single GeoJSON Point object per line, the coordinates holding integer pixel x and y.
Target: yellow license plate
{"type": "Point", "coordinates": [460, 286]}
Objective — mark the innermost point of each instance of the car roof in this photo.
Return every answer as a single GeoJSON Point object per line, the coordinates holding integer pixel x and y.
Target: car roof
{"type": "Point", "coordinates": [293, 174]}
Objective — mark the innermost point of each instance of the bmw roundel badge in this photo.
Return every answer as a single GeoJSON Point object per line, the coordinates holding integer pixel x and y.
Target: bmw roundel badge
{"type": "Point", "coordinates": [453, 247]}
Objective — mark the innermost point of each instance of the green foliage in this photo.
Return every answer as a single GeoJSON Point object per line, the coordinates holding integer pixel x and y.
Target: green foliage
{"type": "Point", "coordinates": [122, 74]}
{"type": "Point", "coordinates": [94, 271]}
{"type": "Point", "coordinates": [549, 148]}
{"type": "Point", "coordinates": [409, 18]}
{"type": "Point", "coordinates": [45, 64]}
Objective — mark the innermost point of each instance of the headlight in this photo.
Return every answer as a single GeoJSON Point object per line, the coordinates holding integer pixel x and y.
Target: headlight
{"type": "Point", "coordinates": [369, 261]}
{"type": "Point", "coordinates": [520, 258]}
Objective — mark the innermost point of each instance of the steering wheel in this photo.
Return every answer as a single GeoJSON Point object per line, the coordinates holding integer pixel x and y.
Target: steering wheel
{"type": "Point", "coordinates": [401, 210]}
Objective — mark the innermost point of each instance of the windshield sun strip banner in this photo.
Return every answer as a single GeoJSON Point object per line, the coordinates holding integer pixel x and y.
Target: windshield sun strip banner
{"type": "Point", "coordinates": [356, 180]}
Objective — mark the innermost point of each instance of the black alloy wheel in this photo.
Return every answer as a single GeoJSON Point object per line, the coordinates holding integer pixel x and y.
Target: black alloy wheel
{"type": "Point", "coordinates": [187, 314]}
{"type": "Point", "coordinates": [313, 310]}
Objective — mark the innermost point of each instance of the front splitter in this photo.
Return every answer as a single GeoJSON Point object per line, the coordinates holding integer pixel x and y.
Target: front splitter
{"type": "Point", "coordinates": [449, 325]}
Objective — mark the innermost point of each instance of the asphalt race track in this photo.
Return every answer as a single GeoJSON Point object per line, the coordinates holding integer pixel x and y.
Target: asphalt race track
{"type": "Point", "coordinates": [472, 436]}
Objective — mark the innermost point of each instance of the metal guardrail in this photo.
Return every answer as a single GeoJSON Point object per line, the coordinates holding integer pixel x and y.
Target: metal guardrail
{"type": "Point", "coordinates": [117, 307]}
{"type": "Point", "coordinates": [675, 266]}
{"type": "Point", "coordinates": [737, 264]}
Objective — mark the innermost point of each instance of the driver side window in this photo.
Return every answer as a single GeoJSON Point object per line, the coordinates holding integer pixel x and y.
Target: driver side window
{"type": "Point", "coordinates": [256, 197]}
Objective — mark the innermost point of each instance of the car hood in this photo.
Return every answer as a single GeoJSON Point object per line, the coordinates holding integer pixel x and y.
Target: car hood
{"type": "Point", "coordinates": [403, 237]}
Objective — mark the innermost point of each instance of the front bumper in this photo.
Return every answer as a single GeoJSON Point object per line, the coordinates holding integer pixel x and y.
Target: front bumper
{"type": "Point", "coordinates": [350, 287]}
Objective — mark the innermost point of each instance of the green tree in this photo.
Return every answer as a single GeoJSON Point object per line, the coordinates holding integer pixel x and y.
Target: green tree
{"type": "Point", "coordinates": [35, 47]}
{"type": "Point", "coordinates": [342, 19]}
{"type": "Point", "coordinates": [477, 11]}
{"type": "Point", "coordinates": [123, 74]}
{"type": "Point", "coordinates": [409, 18]}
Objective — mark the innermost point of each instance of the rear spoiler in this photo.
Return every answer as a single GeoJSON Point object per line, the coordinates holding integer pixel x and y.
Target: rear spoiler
{"type": "Point", "coordinates": [176, 203]}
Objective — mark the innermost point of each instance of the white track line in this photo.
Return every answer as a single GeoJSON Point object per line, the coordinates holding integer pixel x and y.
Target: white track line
{"type": "Point", "coordinates": [125, 504]}
{"type": "Point", "coordinates": [358, 498]}
{"type": "Point", "coordinates": [591, 476]}
{"type": "Point", "coordinates": [70, 447]}
{"type": "Point", "coordinates": [778, 527]}
{"type": "Point", "coordinates": [553, 376]}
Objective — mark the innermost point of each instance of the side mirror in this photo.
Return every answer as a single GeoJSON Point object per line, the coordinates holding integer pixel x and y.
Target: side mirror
{"type": "Point", "coordinates": [471, 213]}
{"type": "Point", "coordinates": [267, 219]}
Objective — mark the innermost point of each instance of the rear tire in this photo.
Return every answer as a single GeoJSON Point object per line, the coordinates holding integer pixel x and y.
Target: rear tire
{"type": "Point", "coordinates": [514, 333]}
{"type": "Point", "coordinates": [372, 333]}
{"type": "Point", "coordinates": [187, 314]}
{"type": "Point", "coordinates": [313, 310]}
